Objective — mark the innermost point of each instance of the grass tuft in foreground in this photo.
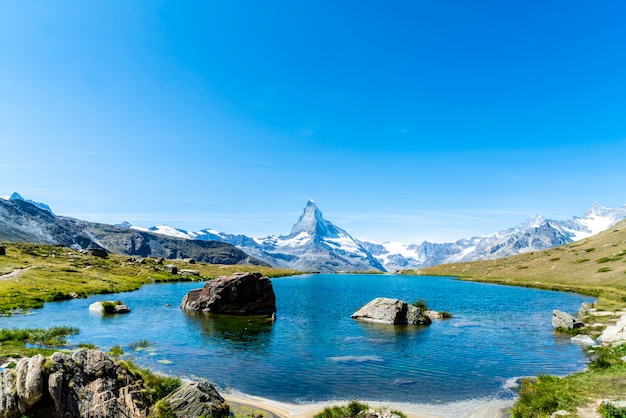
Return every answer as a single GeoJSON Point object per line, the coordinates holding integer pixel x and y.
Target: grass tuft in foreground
{"type": "Point", "coordinates": [352, 410]}
{"type": "Point", "coordinates": [540, 397]}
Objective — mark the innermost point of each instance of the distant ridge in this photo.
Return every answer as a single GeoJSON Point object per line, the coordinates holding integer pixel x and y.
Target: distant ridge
{"type": "Point", "coordinates": [23, 221]}
{"type": "Point", "coordinates": [314, 243]}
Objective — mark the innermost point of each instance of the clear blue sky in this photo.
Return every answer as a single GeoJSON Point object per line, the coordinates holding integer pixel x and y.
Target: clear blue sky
{"type": "Point", "coordinates": [405, 120]}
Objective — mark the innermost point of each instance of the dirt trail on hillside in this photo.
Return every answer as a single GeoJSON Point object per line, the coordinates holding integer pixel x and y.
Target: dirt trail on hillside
{"type": "Point", "coordinates": [15, 273]}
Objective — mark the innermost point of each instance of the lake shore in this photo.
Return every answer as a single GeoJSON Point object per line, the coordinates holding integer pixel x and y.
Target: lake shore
{"type": "Point", "coordinates": [475, 408]}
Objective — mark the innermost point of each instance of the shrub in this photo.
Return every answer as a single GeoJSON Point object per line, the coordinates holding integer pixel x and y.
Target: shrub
{"type": "Point", "coordinates": [116, 351]}
{"type": "Point", "coordinates": [608, 410]}
{"type": "Point", "coordinates": [581, 260]}
{"type": "Point", "coordinates": [420, 303]}
{"type": "Point", "coordinates": [353, 409]}
{"type": "Point", "coordinates": [604, 270]}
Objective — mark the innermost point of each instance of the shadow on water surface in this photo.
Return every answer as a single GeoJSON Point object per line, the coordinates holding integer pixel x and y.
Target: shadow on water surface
{"type": "Point", "coordinates": [236, 332]}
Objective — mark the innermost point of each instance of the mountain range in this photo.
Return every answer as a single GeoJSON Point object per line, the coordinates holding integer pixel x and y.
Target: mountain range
{"type": "Point", "coordinates": [314, 243]}
{"type": "Point", "coordinates": [26, 221]}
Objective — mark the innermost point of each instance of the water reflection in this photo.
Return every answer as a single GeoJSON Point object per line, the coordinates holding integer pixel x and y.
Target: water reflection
{"type": "Point", "coordinates": [235, 332]}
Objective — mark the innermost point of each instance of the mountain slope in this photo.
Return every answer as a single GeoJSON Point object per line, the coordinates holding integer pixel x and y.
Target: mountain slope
{"type": "Point", "coordinates": [534, 234]}
{"type": "Point", "coordinates": [314, 244]}
{"type": "Point", "coordinates": [595, 262]}
{"type": "Point", "coordinates": [21, 221]}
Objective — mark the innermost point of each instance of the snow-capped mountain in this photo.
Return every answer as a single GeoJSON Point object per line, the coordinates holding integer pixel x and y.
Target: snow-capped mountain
{"type": "Point", "coordinates": [314, 244]}
{"type": "Point", "coordinates": [534, 234]}
{"type": "Point", "coordinates": [17, 196]}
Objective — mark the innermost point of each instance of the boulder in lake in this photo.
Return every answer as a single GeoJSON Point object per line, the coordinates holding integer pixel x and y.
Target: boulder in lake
{"type": "Point", "coordinates": [109, 307]}
{"type": "Point", "coordinates": [239, 294]}
{"type": "Point", "coordinates": [563, 320]}
{"type": "Point", "coordinates": [392, 312]}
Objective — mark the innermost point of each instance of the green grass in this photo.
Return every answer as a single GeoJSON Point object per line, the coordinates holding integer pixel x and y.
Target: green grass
{"type": "Point", "coordinates": [352, 410]}
{"type": "Point", "coordinates": [45, 341]}
{"type": "Point", "coordinates": [421, 304]}
{"type": "Point", "coordinates": [57, 273]}
{"type": "Point", "coordinates": [605, 379]}
{"type": "Point", "coordinates": [159, 385]}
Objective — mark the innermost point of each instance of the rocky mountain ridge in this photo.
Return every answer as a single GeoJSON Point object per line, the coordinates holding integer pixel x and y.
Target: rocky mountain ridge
{"type": "Point", "coordinates": [316, 244]}
{"type": "Point", "coordinates": [22, 221]}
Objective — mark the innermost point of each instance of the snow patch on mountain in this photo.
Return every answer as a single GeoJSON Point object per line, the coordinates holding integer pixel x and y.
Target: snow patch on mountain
{"type": "Point", "coordinates": [534, 234]}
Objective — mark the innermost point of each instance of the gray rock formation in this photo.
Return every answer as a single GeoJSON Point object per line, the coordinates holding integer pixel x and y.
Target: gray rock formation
{"type": "Point", "coordinates": [563, 320]}
{"type": "Point", "coordinates": [239, 294]}
{"type": "Point", "coordinates": [86, 384]}
{"type": "Point", "coordinates": [392, 312]}
{"type": "Point", "coordinates": [21, 221]}
{"type": "Point", "coordinates": [171, 268]}
{"type": "Point", "coordinates": [197, 400]}
{"type": "Point", "coordinates": [614, 333]}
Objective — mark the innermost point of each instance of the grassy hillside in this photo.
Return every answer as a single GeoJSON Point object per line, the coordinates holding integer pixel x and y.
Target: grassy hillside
{"type": "Point", "coordinates": [32, 274]}
{"type": "Point", "coordinates": [596, 265]}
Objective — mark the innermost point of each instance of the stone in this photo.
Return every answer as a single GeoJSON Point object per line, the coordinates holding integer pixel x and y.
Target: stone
{"type": "Point", "coordinates": [239, 294]}
{"type": "Point", "coordinates": [29, 383]}
{"type": "Point", "coordinates": [392, 312]}
{"type": "Point", "coordinates": [98, 252]}
{"type": "Point", "coordinates": [188, 272]}
{"type": "Point", "coordinates": [614, 333]}
{"type": "Point", "coordinates": [563, 320]}
{"type": "Point", "coordinates": [583, 340]}
{"type": "Point", "coordinates": [119, 308]}
{"type": "Point", "coordinates": [3, 250]}
{"type": "Point", "coordinates": [196, 400]}
{"type": "Point", "coordinates": [86, 384]}
{"type": "Point", "coordinates": [171, 268]}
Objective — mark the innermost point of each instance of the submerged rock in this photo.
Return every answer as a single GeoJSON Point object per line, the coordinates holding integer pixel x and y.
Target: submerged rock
{"type": "Point", "coordinates": [391, 311]}
{"type": "Point", "coordinates": [239, 294]}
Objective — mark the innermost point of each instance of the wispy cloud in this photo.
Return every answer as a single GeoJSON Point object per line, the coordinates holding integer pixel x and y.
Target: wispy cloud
{"type": "Point", "coordinates": [83, 152]}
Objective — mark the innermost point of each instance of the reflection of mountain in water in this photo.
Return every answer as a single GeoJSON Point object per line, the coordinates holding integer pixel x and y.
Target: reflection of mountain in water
{"type": "Point", "coordinates": [236, 332]}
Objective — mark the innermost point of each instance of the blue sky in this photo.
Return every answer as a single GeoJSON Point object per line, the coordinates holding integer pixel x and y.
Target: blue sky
{"type": "Point", "coordinates": [404, 120]}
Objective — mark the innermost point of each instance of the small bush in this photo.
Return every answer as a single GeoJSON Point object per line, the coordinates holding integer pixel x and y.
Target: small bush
{"type": "Point", "coordinates": [353, 409]}
{"type": "Point", "coordinates": [604, 270]}
{"type": "Point", "coordinates": [581, 260]}
{"type": "Point", "coordinates": [555, 259]}
{"type": "Point", "coordinates": [420, 303]}
{"type": "Point", "coordinates": [608, 410]}
{"type": "Point", "coordinates": [116, 351]}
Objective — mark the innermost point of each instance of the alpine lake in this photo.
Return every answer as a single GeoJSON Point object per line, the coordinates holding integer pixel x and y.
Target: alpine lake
{"type": "Point", "coordinates": [314, 351]}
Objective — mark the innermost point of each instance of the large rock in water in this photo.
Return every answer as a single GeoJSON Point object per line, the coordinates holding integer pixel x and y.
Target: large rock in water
{"type": "Point", "coordinates": [239, 294]}
{"type": "Point", "coordinates": [391, 311]}
{"type": "Point", "coordinates": [561, 319]}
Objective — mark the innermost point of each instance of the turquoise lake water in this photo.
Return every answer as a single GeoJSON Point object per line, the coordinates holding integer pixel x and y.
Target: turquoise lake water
{"type": "Point", "coordinates": [315, 351]}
